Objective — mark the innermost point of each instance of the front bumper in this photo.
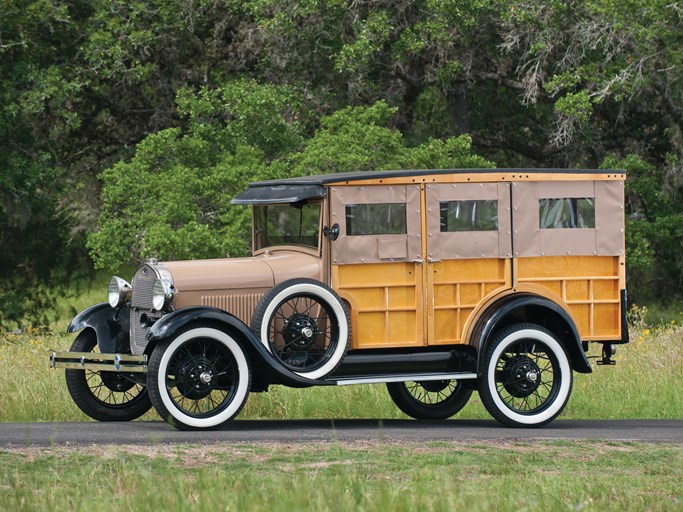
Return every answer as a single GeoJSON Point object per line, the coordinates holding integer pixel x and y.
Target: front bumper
{"type": "Point", "coordinates": [124, 363]}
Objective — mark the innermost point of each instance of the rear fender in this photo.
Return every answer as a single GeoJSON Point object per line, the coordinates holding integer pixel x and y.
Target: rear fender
{"type": "Point", "coordinates": [168, 325]}
{"type": "Point", "coordinates": [111, 325]}
{"type": "Point", "coordinates": [513, 308]}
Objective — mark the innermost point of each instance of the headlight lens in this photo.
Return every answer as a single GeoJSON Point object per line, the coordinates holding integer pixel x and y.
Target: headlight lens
{"type": "Point", "coordinates": [119, 291]}
{"type": "Point", "coordinates": [162, 294]}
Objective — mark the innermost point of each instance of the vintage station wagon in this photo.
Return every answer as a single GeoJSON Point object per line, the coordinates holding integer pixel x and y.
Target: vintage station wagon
{"type": "Point", "coordinates": [435, 282]}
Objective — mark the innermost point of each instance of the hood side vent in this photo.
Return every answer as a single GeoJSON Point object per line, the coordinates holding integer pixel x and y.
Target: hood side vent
{"type": "Point", "coordinates": [240, 305]}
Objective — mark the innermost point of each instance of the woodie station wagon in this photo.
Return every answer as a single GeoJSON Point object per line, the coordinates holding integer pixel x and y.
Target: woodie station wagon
{"type": "Point", "coordinates": [435, 282]}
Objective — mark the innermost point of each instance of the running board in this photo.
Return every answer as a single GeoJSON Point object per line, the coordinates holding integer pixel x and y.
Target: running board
{"type": "Point", "coordinates": [99, 362]}
{"type": "Point", "coordinates": [403, 377]}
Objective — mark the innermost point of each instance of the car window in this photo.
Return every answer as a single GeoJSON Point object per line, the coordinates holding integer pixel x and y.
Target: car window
{"type": "Point", "coordinates": [477, 215]}
{"type": "Point", "coordinates": [567, 213]}
{"type": "Point", "coordinates": [286, 224]}
{"type": "Point", "coordinates": [376, 219]}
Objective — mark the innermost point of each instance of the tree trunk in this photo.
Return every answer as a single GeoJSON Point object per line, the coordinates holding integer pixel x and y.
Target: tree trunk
{"type": "Point", "coordinates": [458, 108]}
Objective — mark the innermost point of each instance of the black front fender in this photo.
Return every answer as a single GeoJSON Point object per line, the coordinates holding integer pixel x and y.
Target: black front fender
{"type": "Point", "coordinates": [168, 325]}
{"type": "Point", "coordinates": [111, 325]}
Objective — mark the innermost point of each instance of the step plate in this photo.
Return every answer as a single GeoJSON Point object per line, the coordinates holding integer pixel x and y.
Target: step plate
{"type": "Point", "coordinates": [402, 377]}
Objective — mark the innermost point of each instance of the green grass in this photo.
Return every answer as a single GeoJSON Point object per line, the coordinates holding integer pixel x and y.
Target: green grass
{"type": "Point", "coordinates": [645, 383]}
{"type": "Point", "coordinates": [511, 476]}
{"type": "Point", "coordinates": [658, 314]}
{"type": "Point", "coordinates": [531, 476]}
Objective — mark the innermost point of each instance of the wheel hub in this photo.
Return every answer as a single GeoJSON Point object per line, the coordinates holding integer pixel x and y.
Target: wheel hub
{"type": "Point", "coordinates": [194, 377]}
{"type": "Point", "coordinates": [300, 332]}
{"type": "Point", "coordinates": [434, 386]}
{"type": "Point", "coordinates": [521, 376]}
{"type": "Point", "coordinates": [116, 382]}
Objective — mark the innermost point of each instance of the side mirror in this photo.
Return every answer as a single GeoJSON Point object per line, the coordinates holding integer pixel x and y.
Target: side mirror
{"type": "Point", "coordinates": [332, 232]}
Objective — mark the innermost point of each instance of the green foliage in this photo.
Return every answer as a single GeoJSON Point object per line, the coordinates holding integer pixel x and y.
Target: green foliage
{"type": "Point", "coordinates": [359, 139]}
{"type": "Point", "coordinates": [352, 139]}
{"type": "Point", "coordinates": [182, 190]}
{"type": "Point", "coordinates": [654, 231]}
{"type": "Point", "coordinates": [183, 182]}
{"type": "Point", "coordinates": [539, 84]}
{"type": "Point", "coordinates": [371, 34]}
{"type": "Point", "coordinates": [452, 153]}
{"type": "Point", "coordinates": [245, 113]}
{"type": "Point", "coordinates": [577, 105]}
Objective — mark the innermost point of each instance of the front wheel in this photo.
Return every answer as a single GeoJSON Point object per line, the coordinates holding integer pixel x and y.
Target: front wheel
{"type": "Point", "coordinates": [198, 379]}
{"type": "Point", "coordinates": [430, 400]}
{"type": "Point", "coordinates": [103, 395]}
{"type": "Point", "coordinates": [527, 378]}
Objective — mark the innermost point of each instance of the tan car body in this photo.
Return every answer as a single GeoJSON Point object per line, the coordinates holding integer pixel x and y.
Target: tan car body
{"type": "Point", "coordinates": [450, 280]}
{"type": "Point", "coordinates": [434, 282]}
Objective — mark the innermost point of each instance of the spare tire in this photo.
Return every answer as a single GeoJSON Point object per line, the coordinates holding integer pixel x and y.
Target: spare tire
{"type": "Point", "coordinates": [305, 325]}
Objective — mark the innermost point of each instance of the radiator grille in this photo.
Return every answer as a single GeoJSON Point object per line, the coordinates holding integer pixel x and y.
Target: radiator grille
{"type": "Point", "coordinates": [241, 305]}
{"type": "Point", "coordinates": [143, 281]}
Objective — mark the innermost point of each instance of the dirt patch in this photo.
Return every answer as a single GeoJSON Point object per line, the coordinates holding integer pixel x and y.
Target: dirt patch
{"type": "Point", "coordinates": [200, 455]}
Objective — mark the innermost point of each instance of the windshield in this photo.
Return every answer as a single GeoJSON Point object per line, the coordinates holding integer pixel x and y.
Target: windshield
{"type": "Point", "coordinates": [286, 224]}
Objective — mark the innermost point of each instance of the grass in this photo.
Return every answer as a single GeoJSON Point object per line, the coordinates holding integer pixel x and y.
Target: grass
{"type": "Point", "coordinates": [645, 383]}
{"type": "Point", "coordinates": [512, 476]}
{"type": "Point", "coordinates": [519, 476]}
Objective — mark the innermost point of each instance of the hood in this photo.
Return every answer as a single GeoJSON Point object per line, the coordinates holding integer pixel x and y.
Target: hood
{"type": "Point", "coordinates": [219, 274]}
{"type": "Point", "coordinates": [260, 272]}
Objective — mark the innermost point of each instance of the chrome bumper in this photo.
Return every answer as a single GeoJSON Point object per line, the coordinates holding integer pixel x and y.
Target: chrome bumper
{"type": "Point", "coordinates": [101, 362]}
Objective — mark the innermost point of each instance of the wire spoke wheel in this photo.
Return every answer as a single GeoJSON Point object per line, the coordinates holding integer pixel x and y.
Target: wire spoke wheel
{"type": "Point", "coordinates": [527, 377]}
{"type": "Point", "coordinates": [199, 379]}
{"type": "Point", "coordinates": [104, 395]}
{"type": "Point", "coordinates": [305, 325]}
{"type": "Point", "coordinates": [111, 388]}
{"type": "Point", "coordinates": [431, 392]}
{"type": "Point", "coordinates": [301, 332]}
{"type": "Point", "coordinates": [430, 400]}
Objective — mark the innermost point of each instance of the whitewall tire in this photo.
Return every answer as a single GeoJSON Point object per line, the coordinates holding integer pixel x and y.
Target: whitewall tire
{"type": "Point", "coordinates": [199, 379]}
{"type": "Point", "coordinates": [527, 378]}
{"type": "Point", "coordinates": [305, 325]}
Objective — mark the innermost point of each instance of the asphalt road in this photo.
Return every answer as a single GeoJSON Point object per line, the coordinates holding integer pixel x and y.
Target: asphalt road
{"type": "Point", "coordinates": [307, 431]}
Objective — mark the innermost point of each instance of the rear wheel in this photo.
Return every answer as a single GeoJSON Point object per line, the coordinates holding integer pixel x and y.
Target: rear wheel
{"type": "Point", "coordinates": [199, 379]}
{"type": "Point", "coordinates": [430, 400]}
{"type": "Point", "coordinates": [102, 395]}
{"type": "Point", "coordinates": [527, 377]}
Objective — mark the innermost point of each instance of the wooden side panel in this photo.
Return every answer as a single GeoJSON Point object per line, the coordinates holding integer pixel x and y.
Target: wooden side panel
{"type": "Point", "coordinates": [589, 285]}
{"type": "Point", "coordinates": [458, 287]}
{"type": "Point", "coordinates": [387, 303]}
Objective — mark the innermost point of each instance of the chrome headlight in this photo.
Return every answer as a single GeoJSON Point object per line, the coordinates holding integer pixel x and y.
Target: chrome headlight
{"type": "Point", "coordinates": [120, 291]}
{"type": "Point", "coordinates": [162, 294]}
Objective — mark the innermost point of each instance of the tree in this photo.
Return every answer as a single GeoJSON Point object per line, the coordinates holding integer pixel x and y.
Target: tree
{"type": "Point", "coordinates": [80, 84]}
{"type": "Point", "coordinates": [172, 199]}
{"type": "Point", "coordinates": [543, 84]}
{"type": "Point", "coordinates": [183, 182]}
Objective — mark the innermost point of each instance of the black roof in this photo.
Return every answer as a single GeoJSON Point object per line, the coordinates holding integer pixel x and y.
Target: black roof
{"type": "Point", "coordinates": [291, 190]}
{"type": "Point", "coordinates": [278, 192]}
